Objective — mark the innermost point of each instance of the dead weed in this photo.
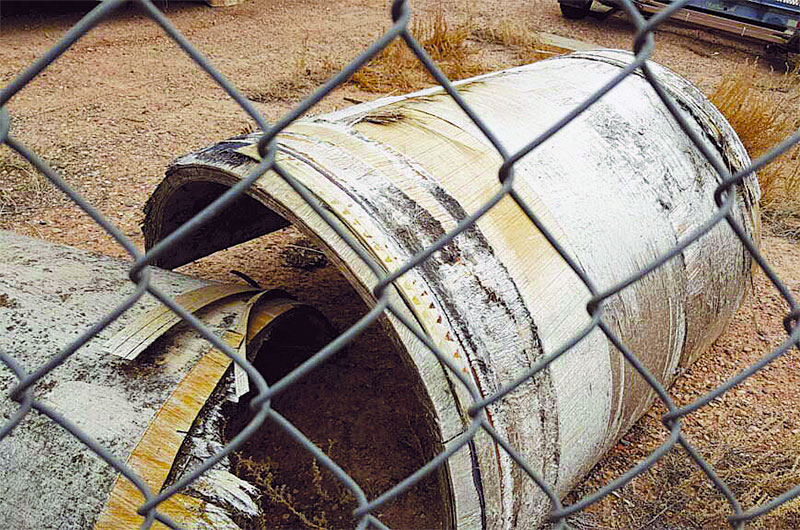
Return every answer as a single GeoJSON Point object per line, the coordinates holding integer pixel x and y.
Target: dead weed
{"type": "Point", "coordinates": [761, 115]}
{"type": "Point", "coordinates": [397, 68]}
{"type": "Point", "coordinates": [676, 493]}
{"type": "Point", "coordinates": [22, 187]}
{"type": "Point", "coordinates": [458, 47]}
{"type": "Point", "coordinates": [755, 473]}
{"type": "Point", "coordinates": [318, 507]}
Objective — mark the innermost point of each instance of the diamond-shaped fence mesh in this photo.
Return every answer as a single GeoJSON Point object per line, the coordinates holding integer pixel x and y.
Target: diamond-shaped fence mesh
{"type": "Point", "coordinates": [364, 513]}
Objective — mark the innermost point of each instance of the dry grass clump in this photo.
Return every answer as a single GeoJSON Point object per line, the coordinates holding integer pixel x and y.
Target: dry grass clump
{"type": "Point", "coordinates": [762, 116]}
{"type": "Point", "coordinates": [676, 494]}
{"type": "Point", "coordinates": [457, 46]}
{"type": "Point", "coordinates": [397, 68]}
{"type": "Point", "coordinates": [518, 38]}
{"type": "Point", "coordinates": [22, 187]}
{"type": "Point", "coordinates": [755, 473]}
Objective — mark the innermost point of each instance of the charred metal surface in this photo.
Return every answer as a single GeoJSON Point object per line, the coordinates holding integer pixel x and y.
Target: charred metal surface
{"type": "Point", "coordinates": [477, 296]}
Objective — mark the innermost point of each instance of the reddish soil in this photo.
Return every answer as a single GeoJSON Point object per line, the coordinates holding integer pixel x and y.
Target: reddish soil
{"type": "Point", "coordinates": [758, 417]}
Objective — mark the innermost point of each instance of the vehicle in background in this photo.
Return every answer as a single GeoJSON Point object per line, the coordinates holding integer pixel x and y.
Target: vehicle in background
{"type": "Point", "coordinates": [773, 22]}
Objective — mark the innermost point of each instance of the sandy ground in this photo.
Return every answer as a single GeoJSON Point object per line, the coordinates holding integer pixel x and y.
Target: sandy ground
{"type": "Point", "coordinates": [123, 102]}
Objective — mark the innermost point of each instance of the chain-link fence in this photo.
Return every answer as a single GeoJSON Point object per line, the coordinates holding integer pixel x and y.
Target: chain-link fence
{"type": "Point", "coordinates": [364, 513]}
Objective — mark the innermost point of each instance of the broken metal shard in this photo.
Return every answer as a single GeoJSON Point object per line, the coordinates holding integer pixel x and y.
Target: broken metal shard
{"type": "Point", "coordinates": [140, 388]}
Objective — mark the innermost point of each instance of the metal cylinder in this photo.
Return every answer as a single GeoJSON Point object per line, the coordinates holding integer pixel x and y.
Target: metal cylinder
{"type": "Point", "coordinates": [147, 388]}
{"type": "Point", "coordinates": [618, 187]}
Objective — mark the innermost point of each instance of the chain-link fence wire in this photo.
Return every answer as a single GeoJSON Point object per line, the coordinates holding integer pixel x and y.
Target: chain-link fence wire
{"type": "Point", "coordinates": [363, 515]}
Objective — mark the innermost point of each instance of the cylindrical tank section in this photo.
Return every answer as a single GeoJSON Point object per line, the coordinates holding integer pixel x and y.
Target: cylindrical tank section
{"type": "Point", "coordinates": [618, 187]}
{"type": "Point", "coordinates": [148, 388]}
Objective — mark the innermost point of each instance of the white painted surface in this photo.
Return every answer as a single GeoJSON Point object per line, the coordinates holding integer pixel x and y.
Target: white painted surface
{"type": "Point", "coordinates": [48, 479]}
{"type": "Point", "coordinates": [618, 187]}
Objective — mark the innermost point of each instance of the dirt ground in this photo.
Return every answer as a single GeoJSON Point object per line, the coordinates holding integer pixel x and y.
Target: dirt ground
{"type": "Point", "coordinates": [123, 102]}
{"type": "Point", "coordinates": [365, 416]}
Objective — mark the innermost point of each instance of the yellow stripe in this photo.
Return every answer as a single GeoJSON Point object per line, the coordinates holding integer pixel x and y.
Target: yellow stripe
{"type": "Point", "coordinates": [155, 453]}
{"type": "Point", "coordinates": [153, 456]}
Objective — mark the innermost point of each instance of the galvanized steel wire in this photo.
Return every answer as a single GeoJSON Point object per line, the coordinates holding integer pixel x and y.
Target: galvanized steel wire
{"type": "Point", "coordinates": [644, 44]}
